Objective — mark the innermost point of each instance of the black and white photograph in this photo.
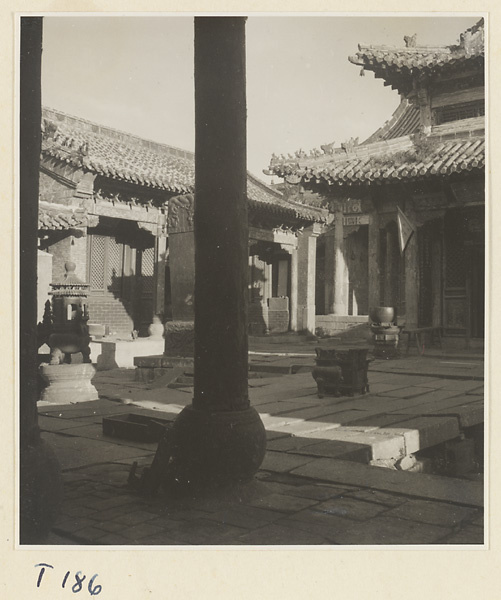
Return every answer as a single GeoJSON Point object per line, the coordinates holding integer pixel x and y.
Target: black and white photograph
{"type": "Point", "coordinates": [251, 282]}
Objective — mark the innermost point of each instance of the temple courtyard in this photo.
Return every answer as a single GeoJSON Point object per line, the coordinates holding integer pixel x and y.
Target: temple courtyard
{"type": "Point", "coordinates": [401, 464]}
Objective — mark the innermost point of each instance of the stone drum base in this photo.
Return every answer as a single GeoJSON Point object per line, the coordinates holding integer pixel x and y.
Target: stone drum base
{"type": "Point", "coordinates": [68, 384]}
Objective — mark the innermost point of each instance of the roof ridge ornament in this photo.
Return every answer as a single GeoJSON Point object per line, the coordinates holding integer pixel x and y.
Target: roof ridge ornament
{"type": "Point", "coordinates": [349, 145]}
{"type": "Point", "coordinates": [328, 148]}
{"type": "Point", "coordinates": [410, 40]}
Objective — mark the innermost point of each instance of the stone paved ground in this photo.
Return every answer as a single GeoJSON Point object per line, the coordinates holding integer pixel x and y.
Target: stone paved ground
{"type": "Point", "coordinates": [274, 509]}
{"type": "Point", "coordinates": [313, 487]}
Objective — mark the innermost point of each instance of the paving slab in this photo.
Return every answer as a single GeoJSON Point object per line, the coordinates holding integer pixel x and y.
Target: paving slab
{"type": "Point", "coordinates": [409, 391]}
{"type": "Point", "coordinates": [382, 387]}
{"type": "Point", "coordinates": [71, 453]}
{"type": "Point", "coordinates": [434, 396]}
{"type": "Point", "coordinates": [388, 500]}
{"type": "Point", "coordinates": [327, 529]}
{"type": "Point", "coordinates": [247, 517]}
{"type": "Point", "coordinates": [468, 415]}
{"type": "Point", "coordinates": [476, 391]}
{"type": "Point", "coordinates": [316, 412]}
{"type": "Point", "coordinates": [433, 487]}
{"type": "Point", "coordinates": [84, 409]}
{"type": "Point", "coordinates": [434, 513]}
{"type": "Point", "coordinates": [336, 449]}
{"type": "Point", "coordinates": [467, 535]}
{"type": "Point", "coordinates": [319, 492]}
{"type": "Point", "coordinates": [282, 463]}
{"type": "Point", "coordinates": [350, 508]}
{"type": "Point", "coordinates": [284, 406]}
{"type": "Point", "coordinates": [290, 443]}
{"type": "Point", "coordinates": [454, 398]}
{"type": "Point", "coordinates": [279, 535]}
{"type": "Point", "coordinates": [342, 418]}
{"type": "Point", "coordinates": [385, 530]}
{"type": "Point", "coordinates": [55, 423]}
{"type": "Point", "coordinates": [368, 423]}
{"type": "Point", "coordinates": [283, 503]}
{"type": "Point", "coordinates": [95, 432]}
{"type": "Point", "coordinates": [462, 385]}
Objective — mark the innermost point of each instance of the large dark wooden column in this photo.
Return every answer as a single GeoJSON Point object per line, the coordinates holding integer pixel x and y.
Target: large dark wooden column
{"type": "Point", "coordinates": [220, 438]}
{"type": "Point", "coordinates": [39, 471]}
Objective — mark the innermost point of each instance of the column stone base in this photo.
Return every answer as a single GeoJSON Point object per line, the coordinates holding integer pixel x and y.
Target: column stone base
{"type": "Point", "coordinates": [68, 384]}
{"type": "Point", "coordinates": [213, 449]}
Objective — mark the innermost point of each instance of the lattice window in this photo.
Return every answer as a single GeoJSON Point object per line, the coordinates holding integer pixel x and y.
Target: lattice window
{"type": "Point", "coordinates": [97, 261]}
{"type": "Point", "coordinates": [106, 264]}
{"type": "Point", "coordinates": [455, 270]}
{"type": "Point", "coordinates": [457, 112]}
{"type": "Point", "coordinates": [148, 269]}
{"type": "Point", "coordinates": [425, 316]}
{"type": "Point", "coordinates": [114, 270]}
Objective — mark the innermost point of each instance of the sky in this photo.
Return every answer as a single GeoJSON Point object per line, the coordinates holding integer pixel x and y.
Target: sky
{"type": "Point", "coordinates": [135, 74]}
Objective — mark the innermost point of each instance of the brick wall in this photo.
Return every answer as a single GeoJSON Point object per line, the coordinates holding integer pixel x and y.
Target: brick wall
{"type": "Point", "coordinates": [278, 314]}
{"type": "Point", "coordinates": [78, 253]}
{"type": "Point", "coordinates": [61, 253]}
{"type": "Point", "coordinates": [68, 248]}
{"type": "Point", "coordinates": [52, 190]}
{"type": "Point", "coordinates": [104, 309]}
{"type": "Point", "coordinates": [111, 311]}
{"type": "Point", "coordinates": [278, 321]}
{"type": "Point", "coordinates": [258, 318]}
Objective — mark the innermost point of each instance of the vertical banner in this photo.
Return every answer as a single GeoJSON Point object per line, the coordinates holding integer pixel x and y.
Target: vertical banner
{"type": "Point", "coordinates": [405, 230]}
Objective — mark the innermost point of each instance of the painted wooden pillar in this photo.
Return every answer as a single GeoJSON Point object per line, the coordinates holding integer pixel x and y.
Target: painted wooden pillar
{"type": "Point", "coordinates": [160, 265]}
{"type": "Point", "coordinates": [307, 260]}
{"type": "Point", "coordinates": [340, 304]}
{"type": "Point", "coordinates": [282, 275]}
{"type": "Point", "coordinates": [221, 229]}
{"type": "Point", "coordinates": [374, 271]}
{"type": "Point", "coordinates": [219, 439]}
{"type": "Point", "coordinates": [436, 285]}
{"type": "Point", "coordinates": [390, 273]}
{"type": "Point", "coordinates": [329, 269]}
{"type": "Point", "coordinates": [293, 307]}
{"type": "Point", "coordinates": [411, 281]}
{"type": "Point", "coordinates": [40, 480]}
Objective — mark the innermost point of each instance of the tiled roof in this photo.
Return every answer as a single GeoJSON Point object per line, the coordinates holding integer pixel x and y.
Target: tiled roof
{"type": "Point", "coordinates": [125, 157]}
{"type": "Point", "coordinates": [388, 62]}
{"type": "Point", "coordinates": [258, 193]}
{"type": "Point", "coordinates": [56, 216]}
{"type": "Point", "coordinates": [449, 149]}
{"type": "Point", "coordinates": [404, 121]}
{"type": "Point", "coordinates": [115, 154]}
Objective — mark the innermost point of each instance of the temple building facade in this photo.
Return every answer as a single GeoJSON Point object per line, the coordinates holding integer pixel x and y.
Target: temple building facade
{"type": "Point", "coordinates": [408, 203]}
{"type": "Point", "coordinates": [121, 208]}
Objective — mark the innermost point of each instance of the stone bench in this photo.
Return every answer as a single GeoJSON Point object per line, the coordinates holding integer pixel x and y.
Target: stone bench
{"type": "Point", "coordinates": [418, 333]}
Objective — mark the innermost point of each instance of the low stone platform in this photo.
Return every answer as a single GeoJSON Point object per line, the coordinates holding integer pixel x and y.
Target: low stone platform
{"type": "Point", "coordinates": [110, 354]}
{"type": "Point", "coordinates": [401, 415]}
{"type": "Point", "coordinates": [166, 369]}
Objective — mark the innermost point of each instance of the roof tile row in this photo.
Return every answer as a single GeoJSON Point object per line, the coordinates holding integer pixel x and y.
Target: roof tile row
{"type": "Point", "coordinates": [55, 216]}
{"type": "Point", "coordinates": [125, 157]}
{"type": "Point", "coordinates": [446, 157]}
{"type": "Point", "coordinates": [374, 58]}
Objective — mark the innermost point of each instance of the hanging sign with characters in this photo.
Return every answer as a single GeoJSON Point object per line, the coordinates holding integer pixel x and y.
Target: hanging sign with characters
{"type": "Point", "coordinates": [405, 229]}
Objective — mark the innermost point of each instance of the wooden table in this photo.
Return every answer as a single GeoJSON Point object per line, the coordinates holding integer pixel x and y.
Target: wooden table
{"type": "Point", "coordinates": [418, 333]}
